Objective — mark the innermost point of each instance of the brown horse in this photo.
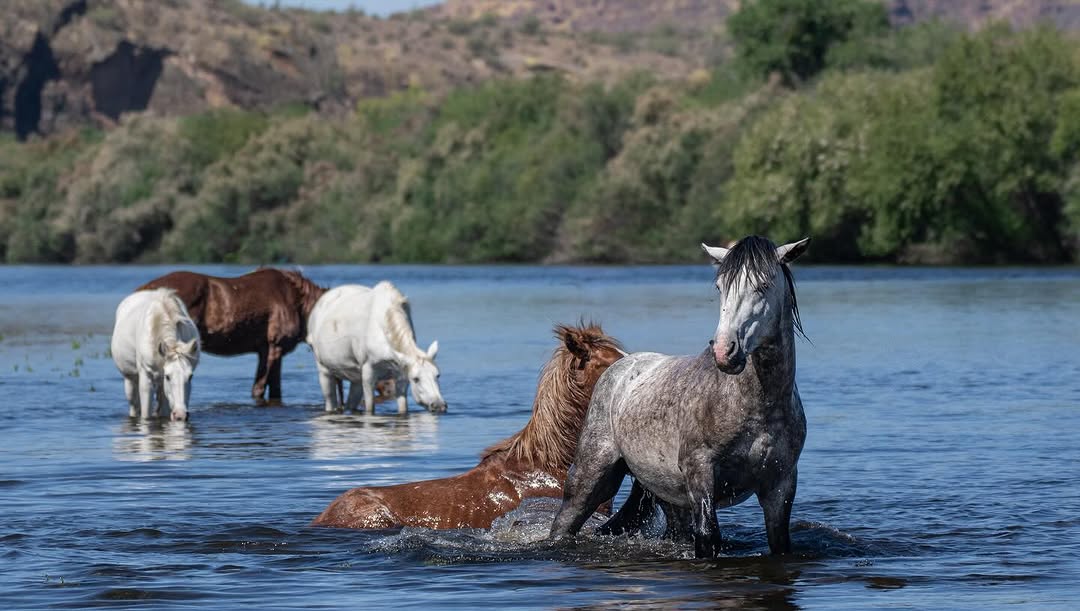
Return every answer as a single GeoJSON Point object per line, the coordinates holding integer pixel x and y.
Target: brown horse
{"type": "Point", "coordinates": [531, 463]}
{"type": "Point", "coordinates": [264, 312]}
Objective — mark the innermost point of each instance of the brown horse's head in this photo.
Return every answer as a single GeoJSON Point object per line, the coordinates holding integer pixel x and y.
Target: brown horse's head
{"type": "Point", "coordinates": [566, 384]}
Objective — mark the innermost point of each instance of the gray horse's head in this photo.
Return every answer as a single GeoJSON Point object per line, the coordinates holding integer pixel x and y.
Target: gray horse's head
{"type": "Point", "coordinates": [756, 289]}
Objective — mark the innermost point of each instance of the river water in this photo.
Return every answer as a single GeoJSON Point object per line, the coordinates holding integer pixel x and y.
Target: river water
{"type": "Point", "coordinates": [941, 469]}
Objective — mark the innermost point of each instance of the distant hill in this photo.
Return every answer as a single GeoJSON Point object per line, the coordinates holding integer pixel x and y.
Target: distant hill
{"type": "Point", "coordinates": [77, 62]}
{"type": "Point", "coordinates": [72, 62]}
{"type": "Point", "coordinates": [645, 15]}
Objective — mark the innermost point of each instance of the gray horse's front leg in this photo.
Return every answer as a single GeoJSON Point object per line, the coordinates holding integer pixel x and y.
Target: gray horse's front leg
{"type": "Point", "coordinates": [633, 515]}
{"type": "Point", "coordinates": [776, 501]}
{"type": "Point", "coordinates": [701, 485]}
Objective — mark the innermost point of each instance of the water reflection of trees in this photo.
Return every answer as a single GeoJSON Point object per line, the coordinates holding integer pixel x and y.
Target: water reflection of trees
{"type": "Point", "coordinates": [147, 440]}
{"type": "Point", "coordinates": [338, 435]}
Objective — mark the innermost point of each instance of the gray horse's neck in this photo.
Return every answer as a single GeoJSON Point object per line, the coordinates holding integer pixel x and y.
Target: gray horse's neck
{"type": "Point", "coordinates": [770, 371]}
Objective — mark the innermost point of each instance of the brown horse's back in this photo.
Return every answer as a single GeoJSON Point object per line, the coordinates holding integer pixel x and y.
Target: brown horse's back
{"type": "Point", "coordinates": [264, 312]}
{"type": "Point", "coordinates": [470, 500]}
{"type": "Point", "coordinates": [239, 315]}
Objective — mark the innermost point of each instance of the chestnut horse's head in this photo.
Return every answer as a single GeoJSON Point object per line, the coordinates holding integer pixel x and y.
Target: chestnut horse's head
{"type": "Point", "coordinates": [591, 352]}
{"type": "Point", "coordinates": [566, 384]}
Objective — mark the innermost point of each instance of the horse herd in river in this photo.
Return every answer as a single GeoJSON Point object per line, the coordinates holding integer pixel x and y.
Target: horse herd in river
{"type": "Point", "coordinates": [697, 433]}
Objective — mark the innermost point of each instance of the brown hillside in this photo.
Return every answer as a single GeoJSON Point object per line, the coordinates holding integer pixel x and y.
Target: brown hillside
{"type": "Point", "coordinates": [68, 62]}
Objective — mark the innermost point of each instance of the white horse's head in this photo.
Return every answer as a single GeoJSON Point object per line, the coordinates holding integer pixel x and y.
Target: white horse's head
{"type": "Point", "coordinates": [179, 366]}
{"type": "Point", "coordinates": [423, 377]}
{"type": "Point", "coordinates": [755, 286]}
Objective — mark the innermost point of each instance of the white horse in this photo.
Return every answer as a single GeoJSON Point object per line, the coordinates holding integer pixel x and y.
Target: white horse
{"type": "Point", "coordinates": [363, 335]}
{"type": "Point", "coordinates": [155, 345]}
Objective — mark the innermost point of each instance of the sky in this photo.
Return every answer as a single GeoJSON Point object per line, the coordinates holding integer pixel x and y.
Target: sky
{"type": "Point", "coordinates": [374, 7]}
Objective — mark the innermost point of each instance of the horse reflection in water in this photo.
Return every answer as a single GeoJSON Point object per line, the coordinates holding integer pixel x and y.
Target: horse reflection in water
{"type": "Point", "coordinates": [531, 463]}
{"type": "Point", "coordinates": [148, 440]}
{"type": "Point", "coordinates": [338, 435]}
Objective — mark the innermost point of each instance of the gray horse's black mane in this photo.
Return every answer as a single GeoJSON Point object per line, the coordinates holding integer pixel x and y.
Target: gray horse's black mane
{"type": "Point", "coordinates": [757, 255]}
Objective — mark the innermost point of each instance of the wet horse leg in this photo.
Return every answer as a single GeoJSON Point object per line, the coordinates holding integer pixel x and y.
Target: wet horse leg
{"type": "Point", "coordinates": [131, 391]}
{"type": "Point", "coordinates": [595, 477]}
{"type": "Point", "coordinates": [367, 383]}
{"type": "Point", "coordinates": [679, 523]}
{"type": "Point", "coordinates": [697, 468]}
{"type": "Point", "coordinates": [776, 501]}
{"type": "Point", "coordinates": [330, 386]}
{"type": "Point", "coordinates": [146, 393]}
{"type": "Point", "coordinates": [633, 515]}
{"type": "Point", "coordinates": [273, 373]}
{"type": "Point", "coordinates": [356, 395]}
{"type": "Point", "coordinates": [259, 387]}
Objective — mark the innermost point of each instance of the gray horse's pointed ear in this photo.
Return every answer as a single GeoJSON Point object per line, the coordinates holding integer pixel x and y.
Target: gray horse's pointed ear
{"type": "Point", "coordinates": [433, 349]}
{"type": "Point", "coordinates": [189, 347]}
{"type": "Point", "coordinates": [716, 252]}
{"type": "Point", "coordinates": [789, 252]}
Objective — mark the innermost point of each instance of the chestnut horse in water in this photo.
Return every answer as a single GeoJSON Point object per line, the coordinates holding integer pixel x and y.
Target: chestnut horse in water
{"type": "Point", "coordinates": [264, 312]}
{"type": "Point", "coordinates": [531, 463]}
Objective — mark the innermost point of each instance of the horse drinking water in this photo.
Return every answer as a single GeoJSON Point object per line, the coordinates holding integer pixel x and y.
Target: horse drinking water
{"type": "Point", "coordinates": [530, 463]}
{"type": "Point", "coordinates": [707, 431]}
{"type": "Point", "coordinates": [155, 345]}
{"type": "Point", "coordinates": [364, 335]}
{"type": "Point", "coordinates": [265, 312]}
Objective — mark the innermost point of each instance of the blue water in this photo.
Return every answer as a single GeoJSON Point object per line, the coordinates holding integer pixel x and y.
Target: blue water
{"type": "Point", "coordinates": [942, 465]}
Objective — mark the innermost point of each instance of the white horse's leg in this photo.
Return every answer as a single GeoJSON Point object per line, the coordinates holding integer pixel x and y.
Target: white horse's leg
{"type": "Point", "coordinates": [162, 400]}
{"type": "Point", "coordinates": [356, 395]}
{"type": "Point", "coordinates": [368, 382]}
{"type": "Point", "coordinates": [131, 391]}
{"type": "Point", "coordinates": [329, 385]}
{"type": "Point", "coordinates": [400, 385]}
{"type": "Point", "coordinates": [146, 393]}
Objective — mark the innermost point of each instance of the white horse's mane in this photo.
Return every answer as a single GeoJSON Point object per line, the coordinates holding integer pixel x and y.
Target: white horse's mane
{"type": "Point", "coordinates": [398, 321]}
{"type": "Point", "coordinates": [166, 320]}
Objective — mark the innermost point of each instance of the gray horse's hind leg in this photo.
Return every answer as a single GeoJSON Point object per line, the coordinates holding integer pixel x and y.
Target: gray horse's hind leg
{"type": "Point", "coordinates": [633, 515]}
{"type": "Point", "coordinates": [588, 484]}
{"type": "Point", "coordinates": [680, 525]}
{"type": "Point", "coordinates": [776, 501]}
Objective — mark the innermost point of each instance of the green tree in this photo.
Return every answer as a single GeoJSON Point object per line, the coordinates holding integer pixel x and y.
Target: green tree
{"type": "Point", "coordinates": [794, 37]}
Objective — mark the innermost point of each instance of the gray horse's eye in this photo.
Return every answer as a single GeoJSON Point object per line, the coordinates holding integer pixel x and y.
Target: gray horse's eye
{"type": "Point", "coordinates": [168, 378]}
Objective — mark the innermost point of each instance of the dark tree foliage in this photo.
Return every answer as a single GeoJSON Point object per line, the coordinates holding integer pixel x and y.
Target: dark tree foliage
{"type": "Point", "coordinates": [793, 38]}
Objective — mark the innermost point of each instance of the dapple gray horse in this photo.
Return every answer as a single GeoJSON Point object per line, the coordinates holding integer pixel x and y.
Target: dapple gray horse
{"type": "Point", "coordinates": [707, 431]}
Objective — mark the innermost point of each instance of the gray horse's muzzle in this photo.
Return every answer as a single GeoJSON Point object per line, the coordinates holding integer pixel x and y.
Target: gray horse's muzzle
{"type": "Point", "coordinates": [730, 359]}
{"type": "Point", "coordinates": [437, 408]}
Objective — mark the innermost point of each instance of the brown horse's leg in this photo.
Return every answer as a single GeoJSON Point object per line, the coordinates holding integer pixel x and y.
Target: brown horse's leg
{"type": "Point", "coordinates": [259, 387]}
{"type": "Point", "coordinates": [273, 371]}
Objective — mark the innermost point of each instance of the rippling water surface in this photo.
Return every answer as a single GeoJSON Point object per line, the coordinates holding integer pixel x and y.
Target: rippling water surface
{"type": "Point", "coordinates": [942, 465]}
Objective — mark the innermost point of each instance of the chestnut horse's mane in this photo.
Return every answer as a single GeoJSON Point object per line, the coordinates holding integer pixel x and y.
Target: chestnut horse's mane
{"type": "Point", "coordinates": [551, 435]}
{"type": "Point", "coordinates": [308, 291]}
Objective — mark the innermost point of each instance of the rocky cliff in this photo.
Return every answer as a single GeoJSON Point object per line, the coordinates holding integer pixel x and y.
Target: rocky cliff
{"type": "Point", "coordinates": [73, 62]}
